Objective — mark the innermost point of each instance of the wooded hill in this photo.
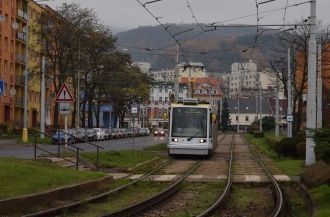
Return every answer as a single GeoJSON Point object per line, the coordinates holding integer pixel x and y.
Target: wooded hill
{"type": "Point", "coordinates": [216, 49]}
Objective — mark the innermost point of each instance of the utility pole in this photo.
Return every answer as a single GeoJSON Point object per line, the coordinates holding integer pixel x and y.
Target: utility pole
{"type": "Point", "coordinates": [78, 86]}
{"type": "Point", "coordinates": [42, 98]}
{"type": "Point", "coordinates": [311, 89]}
{"type": "Point", "coordinates": [26, 74]}
{"type": "Point", "coordinates": [256, 118]}
{"type": "Point", "coordinates": [289, 117]}
{"type": "Point", "coordinates": [319, 89]}
{"type": "Point", "coordinates": [237, 113]}
{"type": "Point", "coordinates": [176, 75]}
{"type": "Point", "coordinates": [277, 120]}
{"type": "Point", "coordinates": [260, 104]}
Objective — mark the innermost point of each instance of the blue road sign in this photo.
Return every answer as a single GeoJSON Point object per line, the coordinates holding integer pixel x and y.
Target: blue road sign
{"type": "Point", "coordinates": [2, 86]}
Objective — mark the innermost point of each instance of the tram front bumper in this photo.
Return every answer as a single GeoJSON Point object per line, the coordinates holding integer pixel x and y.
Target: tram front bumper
{"type": "Point", "coordinates": [183, 149]}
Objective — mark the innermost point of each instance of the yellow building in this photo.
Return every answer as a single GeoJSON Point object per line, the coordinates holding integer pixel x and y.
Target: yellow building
{"type": "Point", "coordinates": [35, 47]}
{"type": "Point", "coordinates": [20, 60]}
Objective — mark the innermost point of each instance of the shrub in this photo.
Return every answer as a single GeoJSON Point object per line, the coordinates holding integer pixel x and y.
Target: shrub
{"type": "Point", "coordinates": [258, 134]}
{"type": "Point", "coordinates": [253, 128]}
{"type": "Point", "coordinates": [268, 123]}
{"type": "Point", "coordinates": [322, 148]}
{"type": "Point", "coordinates": [3, 127]}
{"type": "Point", "coordinates": [287, 147]}
{"type": "Point", "coordinates": [301, 150]}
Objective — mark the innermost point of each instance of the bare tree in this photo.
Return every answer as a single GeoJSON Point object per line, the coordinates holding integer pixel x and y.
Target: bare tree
{"type": "Point", "coordinates": [297, 41]}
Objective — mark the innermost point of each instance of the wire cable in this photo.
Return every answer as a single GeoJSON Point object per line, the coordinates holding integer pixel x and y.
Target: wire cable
{"type": "Point", "coordinates": [193, 15]}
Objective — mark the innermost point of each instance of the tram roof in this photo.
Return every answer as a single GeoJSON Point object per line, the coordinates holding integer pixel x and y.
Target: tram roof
{"type": "Point", "coordinates": [199, 105]}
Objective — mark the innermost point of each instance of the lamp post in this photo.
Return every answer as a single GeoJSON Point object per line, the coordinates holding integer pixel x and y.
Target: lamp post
{"type": "Point", "coordinates": [26, 74]}
{"type": "Point", "coordinates": [78, 87]}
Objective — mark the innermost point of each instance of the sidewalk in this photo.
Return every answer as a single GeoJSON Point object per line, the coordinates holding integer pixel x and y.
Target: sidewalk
{"type": "Point", "coordinates": [10, 148]}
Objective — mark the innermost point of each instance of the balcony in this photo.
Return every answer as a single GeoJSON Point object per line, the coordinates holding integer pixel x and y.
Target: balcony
{"type": "Point", "coordinates": [20, 58]}
{"type": "Point", "coordinates": [21, 36]}
{"type": "Point", "coordinates": [19, 102]}
{"type": "Point", "coordinates": [20, 80]}
{"type": "Point", "coordinates": [21, 14]}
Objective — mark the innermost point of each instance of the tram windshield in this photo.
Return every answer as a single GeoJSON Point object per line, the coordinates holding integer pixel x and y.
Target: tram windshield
{"type": "Point", "coordinates": [189, 122]}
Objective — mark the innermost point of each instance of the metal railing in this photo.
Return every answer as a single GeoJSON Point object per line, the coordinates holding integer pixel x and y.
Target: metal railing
{"type": "Point", "coordinates": [65, 146]}
{"type": "Point", "coordinates": [89, 143]}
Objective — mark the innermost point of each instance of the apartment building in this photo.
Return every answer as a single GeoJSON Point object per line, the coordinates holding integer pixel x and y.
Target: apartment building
{"type": "Point", "coordinates": [8, 10]}
{"type": "Point", "coordinates": [244, 76]}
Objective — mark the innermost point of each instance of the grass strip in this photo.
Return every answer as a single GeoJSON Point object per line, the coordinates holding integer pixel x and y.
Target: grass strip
{"type": "Point", "coordinates": [122, 159]}
{"type": "Point", "coordinates": [23, 177]}
{"type": "Point", "coordinates": [321, 197]}
{"type": "Point", "coordinates": [288, 166]}
{"type": "Point", "coordinates": [124, 198]}
{"type": "Point", "coordinates": [157, 147]}
{"type": "Point", "coordinates": [203, 196]}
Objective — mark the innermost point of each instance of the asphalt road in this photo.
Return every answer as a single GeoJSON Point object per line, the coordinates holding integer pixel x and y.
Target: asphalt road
{"type": "Point", "coordinates": [9, 148]}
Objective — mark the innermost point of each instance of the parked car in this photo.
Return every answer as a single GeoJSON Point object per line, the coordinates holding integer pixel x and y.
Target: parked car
{"type": "Point", "coordinates": [59, 138]}
{"type": "Point", "coordinates": [124, 132]}
{"type": "Point", "coordinates": [79, 134]}
{"type": "Point", "coordinates": [159, 132]}
{"type": "Point", "coordinates": [147, 132]}
{"type": "Point", "coordinates": [129, 132]}
{"type": "Point", "coordinates": [90, 135]}
{"type": "Point", "coordinates": [107, 134]}
{"type": "Point", "coordinates": [114, 134]}
{"type": "Point", "coordinates": [99, 134]}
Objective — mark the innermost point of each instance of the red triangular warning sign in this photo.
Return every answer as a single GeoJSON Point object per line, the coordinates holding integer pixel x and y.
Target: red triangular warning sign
{"type": "Point", "coordinates": [64, 95]}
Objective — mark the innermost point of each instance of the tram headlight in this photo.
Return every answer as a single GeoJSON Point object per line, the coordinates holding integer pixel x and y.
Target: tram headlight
{"type": "Point", "coordinates": [202, 140]}
{"type": "Point", "coordinates": [174, 140]}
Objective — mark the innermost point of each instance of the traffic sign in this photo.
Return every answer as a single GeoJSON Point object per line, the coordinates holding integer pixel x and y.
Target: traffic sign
{"type": "Point", "coordinates": [289, 118]}
{"type": "Point", "coordinates": [134, 110]}
{"type": "Point", "coordinates": [64, 95]}
{"type": "Point", "coordinates": [64, 108]}
{"type": "Point", "coordinates": [2, 86]}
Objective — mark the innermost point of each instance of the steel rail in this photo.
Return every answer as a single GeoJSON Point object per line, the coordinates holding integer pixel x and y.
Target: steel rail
{"type": "Point", "coordinates": [279, 196]}
{"type": "Point", "coordinates": [54, 211]}
{"type": "Point", "coordinates": [226, 193]}
{"type": "Point", "coordinates": [149, 202]}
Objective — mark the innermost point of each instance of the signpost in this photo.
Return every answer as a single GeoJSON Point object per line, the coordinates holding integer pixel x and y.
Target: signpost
{"type": "Point", "coordinates": [64, 98]}
{"type": "Point", "coordinates": [134, 111]}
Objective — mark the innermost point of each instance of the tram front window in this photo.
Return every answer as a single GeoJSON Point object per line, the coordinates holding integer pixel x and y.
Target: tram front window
{"type": "Point", "coordinates": [189, 122]}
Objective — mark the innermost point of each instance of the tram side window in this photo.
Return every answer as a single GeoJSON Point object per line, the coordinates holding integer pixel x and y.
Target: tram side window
{"type": "Point", "coordinates": [210, 128]}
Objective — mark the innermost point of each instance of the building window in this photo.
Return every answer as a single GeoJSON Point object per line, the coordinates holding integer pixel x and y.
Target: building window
{"type": "Point", "coordinates": [160, 99]}
{"type": "Point", "coordinates": [214, 91]}
{"type": "Point", "coordinates": [236, 117]}
{"type": "Point", "coordinates": [246, 118]}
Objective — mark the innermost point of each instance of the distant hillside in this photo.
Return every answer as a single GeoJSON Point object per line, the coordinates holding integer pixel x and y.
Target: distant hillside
{"type": "Point", "coordinates": [215, 49]}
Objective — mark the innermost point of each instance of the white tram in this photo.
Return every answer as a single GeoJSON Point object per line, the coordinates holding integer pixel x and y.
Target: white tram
{"type": "Point", "coordinates": [191, 129]}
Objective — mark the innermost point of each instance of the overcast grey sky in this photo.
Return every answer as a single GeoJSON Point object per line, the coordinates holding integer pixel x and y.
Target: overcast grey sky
{"type": "Point", "coordinates": [122, 15]}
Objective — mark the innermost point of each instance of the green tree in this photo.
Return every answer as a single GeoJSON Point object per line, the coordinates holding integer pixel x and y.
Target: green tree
{"type": "Point", "coordinates": [225, 122]}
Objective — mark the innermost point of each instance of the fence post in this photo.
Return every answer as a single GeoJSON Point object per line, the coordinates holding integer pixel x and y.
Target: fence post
{"type": "Point", "coordinates": [35, 145]}
{"type": "Point", "coordinates": [77, 157]}
{"type": "Point", "coordinates": [58, 144]}
{"type": "Point", "coordinates": [97, 158]}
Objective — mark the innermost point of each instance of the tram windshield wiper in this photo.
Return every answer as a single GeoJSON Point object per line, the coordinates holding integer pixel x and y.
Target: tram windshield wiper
{"type": "Point", "coordinates": [193, 136]}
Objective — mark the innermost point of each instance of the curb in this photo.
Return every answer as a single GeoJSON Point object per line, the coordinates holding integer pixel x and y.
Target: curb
{"type": "Point", "coordinates": [27, 203]}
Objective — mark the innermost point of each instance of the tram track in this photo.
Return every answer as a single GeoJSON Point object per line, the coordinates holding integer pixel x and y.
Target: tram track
{"type": "Point", "coordinates": [76, 206]}
{"type": "Point", "coordinates": [248, 163]}
{"type": "Point", "coordinates": [231, 150]}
